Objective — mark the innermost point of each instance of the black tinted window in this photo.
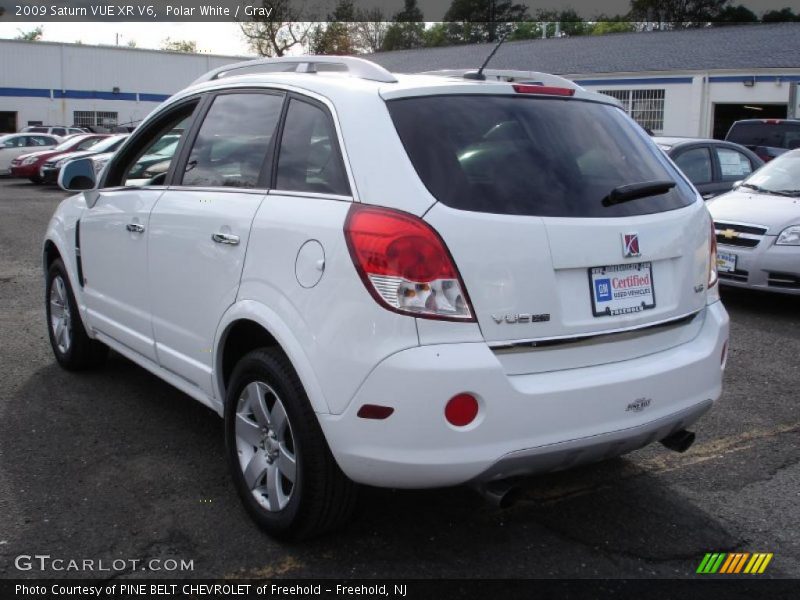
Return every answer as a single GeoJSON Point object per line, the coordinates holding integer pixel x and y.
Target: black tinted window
{"type": "Point", "coordinates": [765, 133]}
{"type": "Point", "coordinates": [309, 159]}
{"type": "Point", "coordinates": [532, 156]}
{"type": "Point", "coordinates": [233, 141]}
{"type": "Point", "coordinates": [696, 165]}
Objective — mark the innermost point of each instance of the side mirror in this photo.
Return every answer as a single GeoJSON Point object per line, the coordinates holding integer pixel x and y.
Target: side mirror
{"type": "Point", "coordinates": [737, 184]}
{"type": "Point", "coordinates": [77, 176]}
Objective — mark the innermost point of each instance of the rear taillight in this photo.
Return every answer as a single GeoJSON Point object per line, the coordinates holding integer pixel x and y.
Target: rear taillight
{"type": "Point", "coordinates": [405, 265]}
{"type": "Point", "coordinates": [713, 277]}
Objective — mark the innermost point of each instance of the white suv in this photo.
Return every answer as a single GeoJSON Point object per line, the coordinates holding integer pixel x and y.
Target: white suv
{"type": "Point", "coordinates": [402, 281]}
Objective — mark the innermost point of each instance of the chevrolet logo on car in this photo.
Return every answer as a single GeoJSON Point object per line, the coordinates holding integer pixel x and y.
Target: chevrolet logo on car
{"type": "Point", "coordinates": [729, 234]}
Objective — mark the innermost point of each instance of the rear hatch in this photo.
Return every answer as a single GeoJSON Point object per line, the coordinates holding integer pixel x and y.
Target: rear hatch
{"type": "Point", "coordinates": [521, 181]}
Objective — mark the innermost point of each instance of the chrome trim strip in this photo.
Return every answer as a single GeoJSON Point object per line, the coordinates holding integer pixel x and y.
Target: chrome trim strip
{"type": "Point", "coordinates": [310, 195]}
{"type": "Point", "coordinates": [599, 337]}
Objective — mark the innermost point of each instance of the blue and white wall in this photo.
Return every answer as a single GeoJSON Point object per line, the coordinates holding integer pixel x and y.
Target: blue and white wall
{"type": "Point", "coordinates": [690, 96]}
{"type": "Point", "coordinates": [44, 81]}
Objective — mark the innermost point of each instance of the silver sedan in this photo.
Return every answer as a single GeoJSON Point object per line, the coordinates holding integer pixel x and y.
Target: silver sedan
{"type": "Point", "coordinates": [758, 228]}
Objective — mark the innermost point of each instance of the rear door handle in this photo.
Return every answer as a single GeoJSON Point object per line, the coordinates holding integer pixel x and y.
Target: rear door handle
{"type": "Point", "coordinates": [226, 238]}
{"type": "Point", "coordinates": [134, 228]}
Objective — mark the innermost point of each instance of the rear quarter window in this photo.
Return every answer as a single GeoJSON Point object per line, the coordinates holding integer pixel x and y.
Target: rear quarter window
{"type": "Point", "coordinates": [532, 156]}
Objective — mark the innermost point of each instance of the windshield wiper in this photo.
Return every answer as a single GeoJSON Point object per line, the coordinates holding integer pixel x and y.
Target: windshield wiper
{"type": "Point", "coordinates": [758, 188]}
{"type": "Point", "coordinates": [633, 191]}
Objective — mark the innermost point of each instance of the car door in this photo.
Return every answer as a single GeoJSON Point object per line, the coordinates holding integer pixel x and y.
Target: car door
{"type": "Point", "coordinates": [113, 242]}
{"type": "Point", "coordinates": [697, 164]}
{"type": "Point", "coordinates": [200, 227]}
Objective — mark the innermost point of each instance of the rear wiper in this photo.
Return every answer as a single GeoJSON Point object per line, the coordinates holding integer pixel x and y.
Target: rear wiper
{"type": "Point", "coordinates": [633, 191]}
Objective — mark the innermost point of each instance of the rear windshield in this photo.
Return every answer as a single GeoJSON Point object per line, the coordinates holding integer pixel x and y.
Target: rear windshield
{"type": "Point", "coordinates": [758, 133]}
{"type": "Point", "coordinates": [532, 156]}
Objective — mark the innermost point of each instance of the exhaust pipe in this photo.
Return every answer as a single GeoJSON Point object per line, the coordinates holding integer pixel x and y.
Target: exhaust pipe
{"type": "Point", "coordinates": [680, 441]}
{"type": "Point", "coordinates": [502, 494]}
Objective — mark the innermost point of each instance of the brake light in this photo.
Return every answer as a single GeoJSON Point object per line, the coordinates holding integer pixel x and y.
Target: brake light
{"type": "Point", "coordinates": [543, 89]}
{"type": "Point", "coordinates": [713, 276]}
{"type": "Point", "coordinates": [405, 265]}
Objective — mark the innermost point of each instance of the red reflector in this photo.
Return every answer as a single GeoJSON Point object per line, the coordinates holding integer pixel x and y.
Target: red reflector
{"type": "Point", "coordinates": [543, 89]}
{"type": "Point", "coordinates": [374, 411]}
{"type": "Point", "coordinates": [461, 410]}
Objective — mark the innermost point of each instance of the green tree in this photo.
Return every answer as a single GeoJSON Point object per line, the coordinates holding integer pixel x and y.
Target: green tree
{"type": "Point", "coordinates": [286, 28]}
{"type": "Point", "coordinates": [676, 14]}
{"type": "Point", "coordinates": [776, 16]}
{"type": "Point", "coordinates": [370, 29]}
{"type": "Point", "coordinates": [437, 34]}
{"type": "Point", "coordinates": [188, 46]}
{"type": "Point", "coordinates": [407, 30]}
{"type": "Point", "coordinates": [474, 21]}
{"type": "Point", "coordinates": [336, 36]}
{"type": "Point", "coordinates": [569, 22]}
{"type": "Point", "coordinates": [730, 15]}
{"type": "Point", "coordinates": [33, 35]}
{"type": "Point", "coordinates": [605, 25]}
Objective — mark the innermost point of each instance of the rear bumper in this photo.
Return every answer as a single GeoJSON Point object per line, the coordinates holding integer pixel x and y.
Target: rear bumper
{"type": "Point", "coordinates": [766, 267]}
{"type": "Point", "coordinates": [527, 423]}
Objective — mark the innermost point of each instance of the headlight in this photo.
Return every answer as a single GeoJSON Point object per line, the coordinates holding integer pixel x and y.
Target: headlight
{"type": "Point", "coordinates": [789, 236]}
{"type": "Point", "coordinates": [61, 163]}
{"type": "Point", "coordinates": [29, 161]}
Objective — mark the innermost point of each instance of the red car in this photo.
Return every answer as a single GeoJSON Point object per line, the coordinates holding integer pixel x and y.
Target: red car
{"type": "Point", "coordinates": [27, 165]}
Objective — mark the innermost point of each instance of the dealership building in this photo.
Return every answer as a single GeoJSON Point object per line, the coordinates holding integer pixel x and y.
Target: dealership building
{"type": "Point", "coordinates": [692, 82]}
{"type": "Point", "coordinates": [74, 84]}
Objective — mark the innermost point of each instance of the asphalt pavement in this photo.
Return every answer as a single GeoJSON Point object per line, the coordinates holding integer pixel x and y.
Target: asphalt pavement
{"type": "Point", "coordinates": [117, 465]}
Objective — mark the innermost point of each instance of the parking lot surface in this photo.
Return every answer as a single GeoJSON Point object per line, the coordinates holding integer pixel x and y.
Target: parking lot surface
{"type": "Point", "coordinates": [116, 464]}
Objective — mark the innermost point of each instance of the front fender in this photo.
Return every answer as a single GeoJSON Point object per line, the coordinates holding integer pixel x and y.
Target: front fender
{"type": "Point", "coordinates": [268, 319]}
{"type": "Point", "coordinates": [61, 233]}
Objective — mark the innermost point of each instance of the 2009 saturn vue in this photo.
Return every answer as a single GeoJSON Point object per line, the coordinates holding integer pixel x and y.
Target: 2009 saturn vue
{"type": "Point", "coordinates": [397, 280]}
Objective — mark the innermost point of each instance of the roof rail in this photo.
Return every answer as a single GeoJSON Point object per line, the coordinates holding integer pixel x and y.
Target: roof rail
{"type": "Point", "coordinates": [509, 75]}
{"type": "Point", "coordinates": [357, 67]}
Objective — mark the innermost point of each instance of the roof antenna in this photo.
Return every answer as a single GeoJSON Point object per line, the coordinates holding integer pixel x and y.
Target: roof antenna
{"type": "Point", "coordinates": [479, 73]}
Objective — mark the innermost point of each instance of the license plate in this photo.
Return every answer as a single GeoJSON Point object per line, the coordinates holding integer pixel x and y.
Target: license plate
{"type": "Point", "coordinates": [621, 289]}
{"type": "Point", "coordinates": [726, 262]}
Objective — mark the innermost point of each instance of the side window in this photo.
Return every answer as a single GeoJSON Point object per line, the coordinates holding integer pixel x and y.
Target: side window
{"type": "Point", "coordinates": [15, 142]}
{"type": "Point", "coordinates": [696, 165]}
{"type": "Point", "coordinates": [59, 131]}
{"type": "Point", "coordinates": [309, 159]}
{"type": "Point", "coordinates": [733, 164]}
{"type": "Point", "coordinates": [87, 143]}
{"type": "Point", "coordinates": [231, 147]}
{"type": "Point", "coordinates": [38, 140]}
{"type": "Point", "coordinates": [147, 159]}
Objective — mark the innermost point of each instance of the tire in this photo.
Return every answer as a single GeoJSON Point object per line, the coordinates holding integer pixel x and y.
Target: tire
{"type": "Point", "coordinates": [35, 179]}
{"type": "Point", "coordinates": [260, 444]}
{"type": "Point", "coordinates": [73, 349]}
